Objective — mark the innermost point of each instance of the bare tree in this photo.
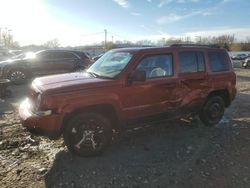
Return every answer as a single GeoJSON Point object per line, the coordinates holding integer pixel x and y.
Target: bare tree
{"type": "Point", "coordinates": [54, 43]}
{"type": "Point", "coordinates": [245, 46]}
{"type": "Point", "coordinates": [110, 45]}
{"type": "Point", "coordinates": [8, 42]}
{"type": "Point", "coordinates": [171, 41]}
{"type": "Point", "coordinates": [144, 42]}
{"type": "Point", "coordinates": [224, 41]}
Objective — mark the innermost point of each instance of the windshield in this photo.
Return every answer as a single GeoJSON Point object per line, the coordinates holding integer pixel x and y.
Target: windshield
{"type": "Point", "coordinates": [110, 64]}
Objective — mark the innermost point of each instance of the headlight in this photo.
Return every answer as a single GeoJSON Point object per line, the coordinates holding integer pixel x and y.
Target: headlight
{"type": "Point", "coordinates": [38, 102]}
{"type": "Point", "coordinates": [44, 113]}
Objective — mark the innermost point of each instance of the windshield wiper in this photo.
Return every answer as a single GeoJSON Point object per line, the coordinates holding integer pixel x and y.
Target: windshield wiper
{"type": "Point", "coordinates": [93, 74]}
{"type": "Point", "coordinates": [98, 76]}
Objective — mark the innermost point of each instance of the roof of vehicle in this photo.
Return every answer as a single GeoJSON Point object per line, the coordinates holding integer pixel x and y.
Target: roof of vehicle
{"type": "Point", "coordinates": [78, 52]}
{"type": "Point", "coordinates": [136, 49]}
{"type": "Point", "coordinates": [62, 50]}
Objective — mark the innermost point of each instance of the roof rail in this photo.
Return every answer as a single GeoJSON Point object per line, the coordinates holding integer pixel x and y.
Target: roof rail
{"type": "Point", "coordinates": [195, 45]}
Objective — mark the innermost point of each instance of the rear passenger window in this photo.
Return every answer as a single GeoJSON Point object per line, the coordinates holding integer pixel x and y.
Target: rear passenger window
{"type": "Point", "coordinates": [200, 61]}
{"type": "Point", "coordinates": [57, 55]}
{"type": "Point", "coordinates": [218, 61]}
{"type": "Point", "coordinates": [191, 62]}
{"type": "Point", "coordinates": [157, 65]}
{"type": "Point", "coordinates": [66, 55]}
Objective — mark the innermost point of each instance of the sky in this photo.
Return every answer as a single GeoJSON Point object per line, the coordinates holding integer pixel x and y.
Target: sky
{"type": "Point", "coordinates": [81, 22]}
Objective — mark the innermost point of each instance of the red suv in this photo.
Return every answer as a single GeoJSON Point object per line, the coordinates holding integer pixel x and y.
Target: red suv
{"type": "Point", "coordinates": [128, 87]}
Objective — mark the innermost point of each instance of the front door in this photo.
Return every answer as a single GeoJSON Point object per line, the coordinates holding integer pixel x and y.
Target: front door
{"type": "Point", "coordinates": [41, 64]}
{"type": "Point", "coordinates": [156, 95]}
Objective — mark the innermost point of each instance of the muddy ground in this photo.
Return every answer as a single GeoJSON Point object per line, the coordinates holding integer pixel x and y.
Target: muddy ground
{"type": "Point", "coordinates": [171, 154]}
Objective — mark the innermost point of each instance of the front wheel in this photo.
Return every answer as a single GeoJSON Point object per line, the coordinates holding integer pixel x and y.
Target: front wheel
{"type": "Point", "coordinates": [87, 134]}
{"type": "Point", "coordinates": [17, 76]}
{"type": "Point", "coordinates": [213, 111]}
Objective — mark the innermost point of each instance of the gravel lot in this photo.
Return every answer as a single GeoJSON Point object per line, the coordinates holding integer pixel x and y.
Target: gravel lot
{"type": "Point", "coordinates": [171, 154]}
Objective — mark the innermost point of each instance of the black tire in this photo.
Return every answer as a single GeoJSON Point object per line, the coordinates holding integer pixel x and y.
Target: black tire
{"type": "Point", "coordinates": [213, 111]}
{"type": "Point", "coordinates": [87, 134]}
{"type": "Point", "coordinates": [17, 76]}
{"type": "Point", "coordinates": [248, 64]}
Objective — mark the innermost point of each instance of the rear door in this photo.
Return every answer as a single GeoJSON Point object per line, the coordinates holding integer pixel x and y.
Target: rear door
{"type": "Point", "coordinates": [193, 79]}
{"type": "Point", "coordinates": [221, 73]}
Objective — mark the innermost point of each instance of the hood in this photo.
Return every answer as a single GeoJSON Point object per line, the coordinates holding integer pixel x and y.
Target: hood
{"type": "Point", "coordinates": [10, 61]}
{"type": "Point", "coordinates": [68, 82]}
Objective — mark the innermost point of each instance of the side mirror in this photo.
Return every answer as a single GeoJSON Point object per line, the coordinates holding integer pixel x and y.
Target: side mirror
{"type": "Point", "coordinates": [137, 75]}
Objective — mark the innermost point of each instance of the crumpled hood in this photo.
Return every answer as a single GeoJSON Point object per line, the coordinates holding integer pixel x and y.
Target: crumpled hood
{"type": "Point", "coordinates": [68, 82]}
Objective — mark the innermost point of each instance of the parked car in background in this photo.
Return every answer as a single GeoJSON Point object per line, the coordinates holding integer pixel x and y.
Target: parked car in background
{"type": "Point", "coordinates": [130, 87]}
{"type": "Point", "coordinates": [239, 57]}
{"type": "Point", "coordinates": [246, 63]}
{"type": "Point", "coordinates": [5, 54]}
{"type": "Point", "coordinates": [23, 55]}
{"type": "Point", "coordinates": [44, 62]}
{"type": "Point", "coordinates": [16, 52]}
{"type": "Point", "coordinates": [95, 58]}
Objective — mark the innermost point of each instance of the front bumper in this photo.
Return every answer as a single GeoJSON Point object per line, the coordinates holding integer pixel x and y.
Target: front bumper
{"type": "Point", "coordinates": [43, 122]}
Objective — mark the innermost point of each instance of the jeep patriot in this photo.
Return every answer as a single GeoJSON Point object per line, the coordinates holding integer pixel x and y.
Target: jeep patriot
{"type": "Point", "coordinates": [127, 87]}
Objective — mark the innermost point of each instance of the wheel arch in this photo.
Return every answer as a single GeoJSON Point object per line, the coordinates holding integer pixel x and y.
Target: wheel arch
{"type": "Point", "coordinates": [104, 109]}
{"type": "Point", "coordinates": [224, 94]}
{"type": "Point", "coordinates": [11, 68]}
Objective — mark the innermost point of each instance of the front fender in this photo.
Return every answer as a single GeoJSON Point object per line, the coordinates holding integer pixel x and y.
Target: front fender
{"type": "Point", "coordinates": [69, 105]}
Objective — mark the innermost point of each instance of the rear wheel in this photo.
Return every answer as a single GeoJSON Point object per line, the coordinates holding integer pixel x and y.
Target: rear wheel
{"type": "Point", "coordinates": [213, 111]}
{"type": "Point", "coordinates": [87, 134]}
{"type": "Point", "coordinates": [17, 76]}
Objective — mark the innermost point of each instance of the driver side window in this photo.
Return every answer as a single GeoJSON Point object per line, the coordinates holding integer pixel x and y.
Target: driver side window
{"type": "Point", "coordinates": [157, 66]}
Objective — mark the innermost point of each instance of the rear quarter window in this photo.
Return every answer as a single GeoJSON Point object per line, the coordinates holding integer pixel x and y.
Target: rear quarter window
{"type": "Point", "coordinates": [219, 61]}
{"type": "Point", "coordinates": [67, 55]}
